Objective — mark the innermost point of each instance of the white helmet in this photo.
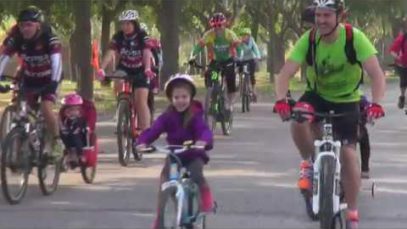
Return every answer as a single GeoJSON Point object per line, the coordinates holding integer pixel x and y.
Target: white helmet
{"type": "Point", "coordinates": [128, 15]}
{"type": "Point", "coordinates": [177, 78]}
{"type": "Point", "coordinates": [336, 5]}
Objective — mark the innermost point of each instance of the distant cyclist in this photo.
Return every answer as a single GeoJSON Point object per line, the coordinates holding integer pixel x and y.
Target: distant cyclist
{"type": "Point", "coordinates": [249, 52]}
{"type": "Point", "coordinates": [222, 44]}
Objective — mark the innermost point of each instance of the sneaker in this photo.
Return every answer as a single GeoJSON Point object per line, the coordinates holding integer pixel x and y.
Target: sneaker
{"type": "Point", "coordinates": [365, 174]}
{"type": "Point", "coordinates": [401, 102]}
{"type": "Point", "coordinates": [206, 199]}
{"type": "Point", "coordinates": [306, 173]}
{"type": "Point", "coordinates": [352, 219]}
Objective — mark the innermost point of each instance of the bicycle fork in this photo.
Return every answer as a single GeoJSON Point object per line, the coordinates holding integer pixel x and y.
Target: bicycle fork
{"type": "Point", "coordinates": [335, 154]}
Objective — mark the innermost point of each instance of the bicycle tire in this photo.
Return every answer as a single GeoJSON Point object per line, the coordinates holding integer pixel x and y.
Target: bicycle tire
{"type": "Point", "coordinates": [247, 93]}
{"type": "Point", "coordinates": [17, 133]}
{"type": "Point", "coordinates": [5, 120]}
{"type": "Point", "coordinates": [166, 196]}
{"type": "Point", "coordinates": [48, 189]}
{"type": "Point", "coordinates": [327, 174]}
{"type": "Point", "coordinates": [88, 173]}
{"type": "Point", "coordinates": [226, 122]}
{"type": "Point", "coordinates": [123, 130]}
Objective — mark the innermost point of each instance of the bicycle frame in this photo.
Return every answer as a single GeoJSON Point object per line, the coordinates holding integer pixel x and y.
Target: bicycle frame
{"type": "Point", "coordinates": [326, 147]}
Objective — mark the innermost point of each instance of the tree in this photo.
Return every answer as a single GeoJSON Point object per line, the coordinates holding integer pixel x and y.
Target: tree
{"type": "Point", "coordinates": [82, 39]}
{"type": "Point", "coordinates": [169, 30]}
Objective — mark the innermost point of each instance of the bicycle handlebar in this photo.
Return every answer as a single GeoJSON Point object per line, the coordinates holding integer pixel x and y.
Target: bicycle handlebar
{"type": "Point", "coordinates": [170, 149]}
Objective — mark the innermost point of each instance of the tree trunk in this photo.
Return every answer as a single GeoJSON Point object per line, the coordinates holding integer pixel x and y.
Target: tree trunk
{"type": "Point", "coordinates": [82, 10]}
{"type": "Point", "coordinates": [45, 6]}
{"type": "Point", "coordinates": [106, 20]}
{"type": "Point", "coordinates": [168, 25]}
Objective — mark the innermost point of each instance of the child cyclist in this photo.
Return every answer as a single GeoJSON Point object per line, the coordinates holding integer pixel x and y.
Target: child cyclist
{"type": "Point", "coordinates": [183, 121]}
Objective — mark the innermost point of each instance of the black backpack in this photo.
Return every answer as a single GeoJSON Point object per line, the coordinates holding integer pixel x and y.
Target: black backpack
{"type": "Point", "coordinates": [349, 51]}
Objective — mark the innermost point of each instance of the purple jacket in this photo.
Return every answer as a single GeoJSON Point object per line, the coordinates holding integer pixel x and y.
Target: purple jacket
{"type": "Point", "coordinates": [171, 123]}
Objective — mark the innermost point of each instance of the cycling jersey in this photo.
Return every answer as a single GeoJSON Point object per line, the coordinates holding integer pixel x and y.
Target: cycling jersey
{"type": "Point", "coordinates": [336, 80]}
{"type": "Point", "coordinates": [249, 50]}
{"type": "Point", "coordinates": [130, 48]}
{"type": "Point", "coordinates": [220, 48]}
{"type": "Point", "coordinates": [41, 58]}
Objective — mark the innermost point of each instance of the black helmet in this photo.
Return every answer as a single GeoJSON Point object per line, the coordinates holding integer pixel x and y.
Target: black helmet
{"type": "Point", "coordinates": [31, 13]}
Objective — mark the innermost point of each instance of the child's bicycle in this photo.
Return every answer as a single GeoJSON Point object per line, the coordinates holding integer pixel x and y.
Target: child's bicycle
{"type": "Point", "coordinates": [180, 197]}
{"type": "Point", "coordinates": [325, 201]}
{"type": "Point", "coordinates": [215, 99]}
{"type": "Point", "coordinates": [126, 128]}
{"type": "Point", "coordinates": [88, 161]}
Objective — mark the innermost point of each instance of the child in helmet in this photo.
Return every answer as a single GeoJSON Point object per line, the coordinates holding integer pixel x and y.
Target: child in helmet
{"type": "Point", "coordinates": [183, 121]}
{"type": "Point", "coordinates": [73, 125]}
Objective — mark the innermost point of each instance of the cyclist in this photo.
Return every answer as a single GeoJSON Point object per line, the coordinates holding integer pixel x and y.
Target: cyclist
{"type": "Point", "coordinates": [183, 121]}
{"type": "Point", "coordinates": [222, 45]}
{"type": "Point", "coordinates": [249, 52]}
{"type": "Point", "coordinates": [399, 51]}
{"type": "Point", "coordinates": [40, 52]}
{"type": "Point", "coordinates": [132, 46]}
{"type": "Point", "coordinates": [332, 84]}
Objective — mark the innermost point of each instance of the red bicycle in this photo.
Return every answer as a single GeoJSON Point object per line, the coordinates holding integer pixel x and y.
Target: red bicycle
{"type": "Point", "coordinates": [127, 129]}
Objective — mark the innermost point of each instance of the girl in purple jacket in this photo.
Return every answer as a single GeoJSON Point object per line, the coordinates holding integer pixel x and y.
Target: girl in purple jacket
{"type": "Point", "coordinates": [183, 121]}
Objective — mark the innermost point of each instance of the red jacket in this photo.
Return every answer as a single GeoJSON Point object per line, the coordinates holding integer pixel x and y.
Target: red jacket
{"type": "Point", "coordinates": [397, 47]}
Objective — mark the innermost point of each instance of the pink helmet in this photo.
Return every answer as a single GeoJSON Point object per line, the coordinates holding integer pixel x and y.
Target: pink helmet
{"type": "Point", "coordinates": [72, 99]}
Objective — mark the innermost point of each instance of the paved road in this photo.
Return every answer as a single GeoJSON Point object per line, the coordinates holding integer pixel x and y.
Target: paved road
{"type": "Point", "coordinates": [253, 175]}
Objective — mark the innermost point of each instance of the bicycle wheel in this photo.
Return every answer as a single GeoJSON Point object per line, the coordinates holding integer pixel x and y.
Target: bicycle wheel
{"type": "Point", "coordinates": [123, 129]}
{"type": "Point", "coordinates": [5, 122]}
{"type": "Point", "coordinates": [247, 93]}
{"type": "Point", "coordinates": [227, 119]}
{"type": "Point", "coordinates": [88, 173]}
{"type": "Point", "coordinates": [15, 165]}
{"type": "Point", "coordinates": [168, 209]}
{"type": "Point", "coordinates": [49, 169]}
{"type": "Point", "coordinates": [327, 173]}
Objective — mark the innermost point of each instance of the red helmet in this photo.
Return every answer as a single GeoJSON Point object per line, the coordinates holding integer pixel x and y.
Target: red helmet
{"type": "Point", "coordinates": [217, 20]}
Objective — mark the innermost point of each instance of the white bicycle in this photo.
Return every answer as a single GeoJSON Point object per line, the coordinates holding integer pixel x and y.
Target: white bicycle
{"type": "Point", "coordinates": [180, 197]}
{"type": "Point", "coordinates": [326, 200]}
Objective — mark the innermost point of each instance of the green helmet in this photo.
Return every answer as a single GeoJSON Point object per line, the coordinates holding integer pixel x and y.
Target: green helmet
{"type": "Point", "coordinates": [246, 31]}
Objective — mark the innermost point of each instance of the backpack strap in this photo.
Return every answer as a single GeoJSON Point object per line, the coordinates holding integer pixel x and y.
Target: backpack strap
{"type": "Point", "coordinates": [310, 57]}
{"type": "Point", "coordinates": [351, 52]}
{"type": "Point", "coordinates": [349, 47]}
{"type": "Point", "coordinates": [311, 47]}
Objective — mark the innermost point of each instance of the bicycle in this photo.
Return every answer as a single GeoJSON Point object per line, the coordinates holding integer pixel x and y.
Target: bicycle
{"type": "Point", "coordinates": [215, 109]}
{"type": "Point", "coordinates": [245, 86]}
{"type": "Point", "coordinates": [22, 150]}
{"type": "Point", "coordinates": [127, 129]}
{"type": "Point", "coordinates": [179, 193]}
{"type": "Point", "coordinates": [10, 110]}
{"type": "Point", "coordinates": [325, 203]}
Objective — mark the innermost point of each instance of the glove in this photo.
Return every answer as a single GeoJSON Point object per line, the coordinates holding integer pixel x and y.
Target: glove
{"type": "Point", "coordinates": [150, 74]}
{"type": "Point", "coordinates": [283, 108]}
{"type": "Point", "coordinates": [374, 111]}
{"type": "Point", "coordinates": [100, 74]}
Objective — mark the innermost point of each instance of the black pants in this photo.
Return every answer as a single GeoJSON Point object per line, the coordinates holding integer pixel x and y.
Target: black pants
{"type": "Point", "coordinates": [76, 141]}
